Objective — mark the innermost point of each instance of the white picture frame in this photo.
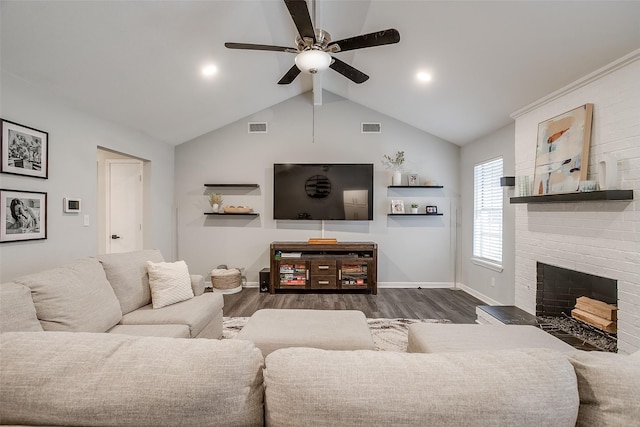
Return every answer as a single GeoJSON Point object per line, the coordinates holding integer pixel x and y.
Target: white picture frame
{"type": "Point", "coordinates": [397, 206]}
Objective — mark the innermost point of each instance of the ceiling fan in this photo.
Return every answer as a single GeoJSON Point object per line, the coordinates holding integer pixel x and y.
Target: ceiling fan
{"type": "Point", "coordinates": [313, 46]}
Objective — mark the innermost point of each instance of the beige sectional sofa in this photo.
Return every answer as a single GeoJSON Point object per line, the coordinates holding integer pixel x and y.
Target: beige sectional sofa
{"type": "Point", "coordinates": [109, 293]}
{"type": "Point", "coordinates": [86, 379]}
{"type": "Point", "coordinates": [71, 374]}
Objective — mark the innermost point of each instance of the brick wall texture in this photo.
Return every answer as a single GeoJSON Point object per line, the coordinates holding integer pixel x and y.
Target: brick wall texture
{"type": "Point", "coordinates": [601, 238]}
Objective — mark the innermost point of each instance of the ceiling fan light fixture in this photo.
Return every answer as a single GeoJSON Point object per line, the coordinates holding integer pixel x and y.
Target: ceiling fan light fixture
{"type": "Point", "coordinates": [313, 61]}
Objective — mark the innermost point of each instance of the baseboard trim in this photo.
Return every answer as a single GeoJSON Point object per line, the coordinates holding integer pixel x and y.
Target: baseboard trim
{"type": "Point", "coordinates": [423, 285]}
{"type": "Point", "coordinates": [479, 295]}
{"type": "Point", "coordinates": [414, 285]}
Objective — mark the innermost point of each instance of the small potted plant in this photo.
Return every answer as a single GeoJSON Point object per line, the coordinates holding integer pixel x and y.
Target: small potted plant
{"type": "Point", "coordinates": [215, 199]}
{"type": "Point", "coordinates": [414, 208]}
{"type": "Point", "coordinates": [395, 165]}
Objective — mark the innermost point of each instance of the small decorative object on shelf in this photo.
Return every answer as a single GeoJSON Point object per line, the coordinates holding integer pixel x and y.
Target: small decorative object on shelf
{"type": "Point", "coordinates": [523, 186]}
{"type": "Point", "coordinates": [237, 209]}
{"type": "Point", "coordinates": [397, 206]}
{"type": "Point", "coordinates": [215, 199]}
{"type": "Point", "coordinates": [585, 186]}
{"type": "Point", "coordinates": [412, 180]}
{"type": "Point", "coordinates": [414, 208]}
{"type": "Point", "coordinates": [395, 165]}
{"type": "Point", "coordinates": [608, 172]}
{"type": "Point", "coordinates": [432, 210]}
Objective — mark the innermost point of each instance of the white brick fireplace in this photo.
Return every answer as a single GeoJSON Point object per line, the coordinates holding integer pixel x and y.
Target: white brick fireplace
{"type": "Point", "coordinates": [600, 238]}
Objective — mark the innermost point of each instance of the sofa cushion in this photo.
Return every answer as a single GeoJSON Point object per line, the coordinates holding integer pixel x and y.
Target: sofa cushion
{"type": "Point", "coordinates": [127, 274]}
{"type": "Point", "coordinates": [75, 297]}
{"type": "Point", "coordinates": [447, 338]}
{"type": "Point", "coordinates": [172, 331]}
{"type": "Point", "coordinates": [57, 378]}
{"type": "Point", "coordinates": [305, 386]}
{"type": "Point", "coordinates": [195, 313]}
{"type": "Point", "coordinates": [169, 282]}
{"type": "Point", "coordinates": [609, 386]}
{"type": "Point", "coordinates": [17, 312]}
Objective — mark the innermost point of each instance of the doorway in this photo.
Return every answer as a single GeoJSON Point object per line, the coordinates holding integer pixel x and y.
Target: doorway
{"type": "Point", "coordinates": [121, 202]}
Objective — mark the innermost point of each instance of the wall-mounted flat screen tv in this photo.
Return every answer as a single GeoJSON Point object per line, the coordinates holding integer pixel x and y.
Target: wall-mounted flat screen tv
{"type": "Point", "coordinates": [323, 191]}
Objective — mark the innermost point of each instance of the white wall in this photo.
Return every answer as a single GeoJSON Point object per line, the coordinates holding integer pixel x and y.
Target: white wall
{"type": "Point", "coordinates": [487, 284]}
{"type": "Point", "coordinates": [412, 251]}
{"type": "Point", "coordinates": [73, 140]}
{"type": "Point", "coordinates": [601, 238]}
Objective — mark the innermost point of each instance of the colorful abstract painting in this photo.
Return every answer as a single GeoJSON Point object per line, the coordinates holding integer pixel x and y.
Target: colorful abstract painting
{"type": "Point", "coordinates": [562, 152]}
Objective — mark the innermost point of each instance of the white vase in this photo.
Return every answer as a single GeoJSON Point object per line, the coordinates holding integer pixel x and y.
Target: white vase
{"type": "Point", "coordinates": [215, 207]}
{"type": "Point", "coordinates": [396, 178]}
{"type": "Point", "coordinates": [608, 172]}
{"type": "Point", "coordinates": [414, 210]}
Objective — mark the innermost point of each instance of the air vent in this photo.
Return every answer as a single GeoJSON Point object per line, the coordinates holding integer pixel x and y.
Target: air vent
{"type": "Point", "coordinates": [371, 128]}
{"type": "Point", "coordinates": [257, 127]}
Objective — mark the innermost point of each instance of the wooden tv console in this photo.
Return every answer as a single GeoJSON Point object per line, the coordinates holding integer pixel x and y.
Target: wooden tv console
{"type": "Point", "coordinates": [339, 267]}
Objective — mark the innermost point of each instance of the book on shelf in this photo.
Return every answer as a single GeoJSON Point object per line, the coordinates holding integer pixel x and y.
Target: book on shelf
{"type": "Point", "coordinates": [291, 254]}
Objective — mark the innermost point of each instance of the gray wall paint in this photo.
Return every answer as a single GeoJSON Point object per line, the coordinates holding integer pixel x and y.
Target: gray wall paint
{"type": "Point", "coordinates": [73, 140]}
{"type": "Point", "coordinates": [414, 251]}
{"type": "Point", "coordinates": [478, 279]}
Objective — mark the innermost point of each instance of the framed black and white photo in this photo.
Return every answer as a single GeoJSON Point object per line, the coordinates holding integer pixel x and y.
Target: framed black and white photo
{"type": "Point", "coordinates": [24, 215]}
{"type": "Point", "coordinates": [432, 209]}
{"type": "Point", "coordinates": [25, 151]}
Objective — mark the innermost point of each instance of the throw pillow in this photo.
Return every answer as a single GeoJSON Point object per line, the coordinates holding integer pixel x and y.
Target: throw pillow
{"type": "Point", "coordinates": [609, 386]}
{"type": "Point", "coordinates": [169, 282]}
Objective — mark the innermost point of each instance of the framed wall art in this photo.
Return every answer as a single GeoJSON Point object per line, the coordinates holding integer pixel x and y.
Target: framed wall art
{"type": "Point", "coordinates": [412, 179]}
{"type": "Point", "coordinates": [25, 151]}
{"type": "Point", "coordinates": [24, 215]}
{"type": "Point", "coordinates": [562, 152]}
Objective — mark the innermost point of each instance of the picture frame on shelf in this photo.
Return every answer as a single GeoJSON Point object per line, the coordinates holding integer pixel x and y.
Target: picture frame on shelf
{"type": "Point", "coordinates": [562, 151]}
{"type": "Point", "coordinates": [413, 179]}
{"type": "Point", "coordinates": [432, 209]}
{"type": "Point", "coordinates": [397, 206]}
{"type": "Point", "coordinates": [24, 150]}
{"type": "Point", "coordinates": [25, 215]}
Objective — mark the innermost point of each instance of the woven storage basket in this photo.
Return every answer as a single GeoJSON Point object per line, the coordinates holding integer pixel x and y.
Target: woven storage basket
{"type": "Point", "coordinates": [226, 279]}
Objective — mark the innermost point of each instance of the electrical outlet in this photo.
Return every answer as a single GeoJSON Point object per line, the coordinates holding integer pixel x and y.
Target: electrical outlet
{"type": "Point", "coordinates": [86, 220]}
{"type": "Point", "coordinates": [493, 282]}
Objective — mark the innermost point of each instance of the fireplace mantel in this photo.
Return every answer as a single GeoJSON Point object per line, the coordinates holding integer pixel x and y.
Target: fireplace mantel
{"type": "Point", "coordinates": [611, 195]}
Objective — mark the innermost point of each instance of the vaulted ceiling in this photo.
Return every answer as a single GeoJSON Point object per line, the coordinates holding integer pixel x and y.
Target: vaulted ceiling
{"type": "Point", "coordinates": [138, 63]}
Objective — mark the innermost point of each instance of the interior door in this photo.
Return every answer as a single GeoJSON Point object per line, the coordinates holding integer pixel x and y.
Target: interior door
{"type": "Point", "coordinates": [124, 205]}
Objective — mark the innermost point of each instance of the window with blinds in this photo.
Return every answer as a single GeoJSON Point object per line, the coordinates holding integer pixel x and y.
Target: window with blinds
{"type": "Point", "coordinates": [487, 207]}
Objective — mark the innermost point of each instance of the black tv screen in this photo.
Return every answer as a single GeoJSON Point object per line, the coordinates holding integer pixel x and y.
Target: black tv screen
{"type": "Point", "coordinates": [323, 191]}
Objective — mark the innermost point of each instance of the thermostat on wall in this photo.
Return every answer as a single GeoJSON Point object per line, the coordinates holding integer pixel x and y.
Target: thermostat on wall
{"type": "Point", "coordinates": [72, 205]}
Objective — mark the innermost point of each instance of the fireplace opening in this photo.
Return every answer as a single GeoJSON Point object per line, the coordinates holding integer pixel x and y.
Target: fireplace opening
{"type": "Point", "coordinates": [557, 292]}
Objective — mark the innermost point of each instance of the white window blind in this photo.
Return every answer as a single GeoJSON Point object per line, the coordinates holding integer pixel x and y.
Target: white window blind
{"type": "Point", "coordinates": [487, 206]}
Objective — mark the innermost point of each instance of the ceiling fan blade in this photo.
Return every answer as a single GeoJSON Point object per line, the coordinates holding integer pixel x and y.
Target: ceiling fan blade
{"type": "Point", "coordinates": [290, 75]}
{"type": "Point", "coordinates": [348, 71]}
{"type": "Point", "coordinates": [249, 46]}
{"type": "Point", "coordinates": [300, 15]}
{"type": "Point", "coordinates": [378, 38]}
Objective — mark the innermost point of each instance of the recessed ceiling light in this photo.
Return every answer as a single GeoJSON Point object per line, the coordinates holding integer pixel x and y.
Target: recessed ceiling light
{"type": "Point", "coordinates": [209, 70]}
{"type": "Point", "coordinates": [423, 76]}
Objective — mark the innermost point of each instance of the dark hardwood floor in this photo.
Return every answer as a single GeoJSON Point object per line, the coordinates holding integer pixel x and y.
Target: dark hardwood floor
{"type": "Point", "coordinates": [456, 306]}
